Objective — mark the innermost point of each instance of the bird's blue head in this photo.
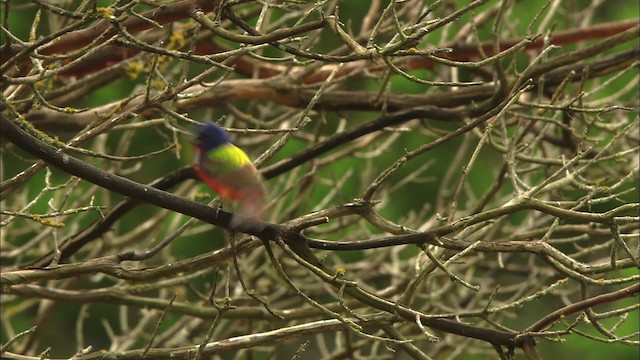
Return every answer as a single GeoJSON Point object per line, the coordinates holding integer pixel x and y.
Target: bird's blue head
{"type": "Point", "coordinates": [209, 136]}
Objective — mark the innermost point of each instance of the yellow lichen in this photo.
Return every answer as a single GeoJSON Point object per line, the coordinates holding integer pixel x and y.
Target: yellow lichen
{"type": "Point", "coordinates": [158, 84]}
{"type": "Point", "coordinates": [106, 13]}
{"type": "Point", "coordinates": [176, 41]}
{"type": "Point", "coordinates": [199, 196]}
{"type": "Point", "coordinates": [52, 223]}
{"type": "Point", "coordinates": [134, 69]}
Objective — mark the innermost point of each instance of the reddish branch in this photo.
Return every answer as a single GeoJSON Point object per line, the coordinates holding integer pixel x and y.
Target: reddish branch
{"type": "Point", "coordinates": [460, 52]}
{"type": "Point", "coordinates": [467, 52]}
{"type": "Point", "coordinates": [205, 46]}
{"type": "Point", "coordinates": [571, 36]}
{"type": "Point", "coordinates": [164, 14]}
{"type": "Point", "coordinates": [284, 94]}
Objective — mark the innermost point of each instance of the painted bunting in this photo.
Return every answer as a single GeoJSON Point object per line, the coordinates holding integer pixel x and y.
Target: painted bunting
{"type": "Point", "coordinates": [228, 171]}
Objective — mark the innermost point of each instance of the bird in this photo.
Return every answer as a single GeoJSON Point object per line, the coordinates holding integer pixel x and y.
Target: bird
{"type": "Point", "coordinates": [228, 171]}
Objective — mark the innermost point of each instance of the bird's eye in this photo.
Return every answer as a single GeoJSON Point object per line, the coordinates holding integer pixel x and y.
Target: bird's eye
{"type": "Point", "coordinates": [204, 136]}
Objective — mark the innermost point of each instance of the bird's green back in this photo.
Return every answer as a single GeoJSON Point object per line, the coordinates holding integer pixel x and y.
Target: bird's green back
{"type": "Point", "coordinates": [227, 158]}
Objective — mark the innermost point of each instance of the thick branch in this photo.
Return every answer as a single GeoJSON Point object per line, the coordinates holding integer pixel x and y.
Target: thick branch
{"type": "Point", "coordinates": [546, 321]}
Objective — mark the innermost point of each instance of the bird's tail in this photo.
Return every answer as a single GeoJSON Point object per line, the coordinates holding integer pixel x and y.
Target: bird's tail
{"type": "Point", "coordinates": [249, 215]}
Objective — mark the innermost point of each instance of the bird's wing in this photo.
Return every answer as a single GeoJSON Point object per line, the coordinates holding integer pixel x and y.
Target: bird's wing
{"type": "Point", "coordinates": [229, 172]}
